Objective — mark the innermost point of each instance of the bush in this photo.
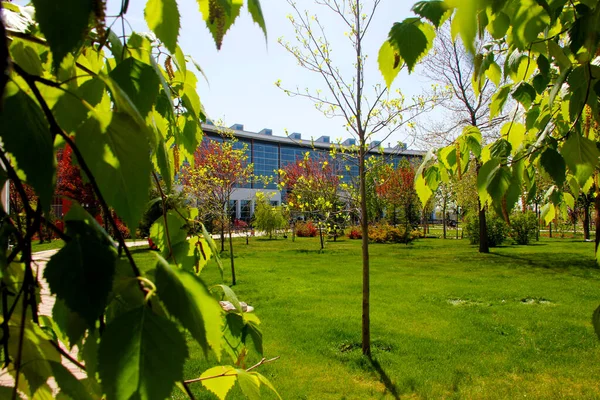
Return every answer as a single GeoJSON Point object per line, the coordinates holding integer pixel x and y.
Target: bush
{"type": "Point", "coordinates": [384, 233]}
{"type": "Point", "coordinates": [355, 233]}
{"type": "Point", "coordinates": [497, 230]}
{"type": "Point", "coordinates": [306, 229]}
{"type": "Point", "coordinates": [523, 227]}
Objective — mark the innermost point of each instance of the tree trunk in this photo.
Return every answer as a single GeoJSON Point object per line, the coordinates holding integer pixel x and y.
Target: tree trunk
{"type": "Point", "coordinates": [321, 235]}
{"type": "Point", "coordinates": [537, 216]}
{"type": "Point", "coordinates": [550, 229]}
{"type": "Point", "coordinates": [444, 217]}
{"type": "Point", "coordinates": [364, 223]}
{"type": "Point", "coordinates": [222, 236]}
{"type": "Point", "coordinates": [483, 237]}
{"type": "Point", "coordinates": [597, 221]}
{"type": "Point", "coordinates": [231, 257]}
{"type": "Point", "coordinates": [457, 212]}
{"type": "Point", "coordinates": [586, 220]}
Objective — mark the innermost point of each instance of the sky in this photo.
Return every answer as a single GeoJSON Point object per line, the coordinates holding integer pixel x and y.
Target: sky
{"type": "Point", "coordinates": [241, 76]}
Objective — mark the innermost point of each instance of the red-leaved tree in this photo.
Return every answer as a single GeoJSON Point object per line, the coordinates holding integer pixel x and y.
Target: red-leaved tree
{"type": "Point", "coordinates": [312, 186]}
{"type": "Point", "coordinates": [396, 187]}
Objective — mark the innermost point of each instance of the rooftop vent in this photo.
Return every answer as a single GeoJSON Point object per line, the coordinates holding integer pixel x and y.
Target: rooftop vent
{"type": "Point", "coordinates": [349, 142]}
{"type": "Point", "coordinates": [323, 139]}
{"type": "Point", "coordinates": [375, 144]}
{"type": "Point", "coordinates": [237, 127]}
{"type": "Point", "coordinates": [296, 136]}
{"type": "Point", "coordinates": [266, 131]}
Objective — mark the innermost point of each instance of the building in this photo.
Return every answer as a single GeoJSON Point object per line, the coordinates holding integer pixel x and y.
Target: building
{"type": "Point", "coordinates": [269, 153]}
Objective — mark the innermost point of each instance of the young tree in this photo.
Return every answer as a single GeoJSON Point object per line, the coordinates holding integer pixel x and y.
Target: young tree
{"type": "Point", "coordinates": [268, 218]}
{"type": "Point", "coordinates": [312, 188]}
{"type": "Point", "coordinates": [218, 169]}
{"type": "Point", "coordinates": [365, 114]}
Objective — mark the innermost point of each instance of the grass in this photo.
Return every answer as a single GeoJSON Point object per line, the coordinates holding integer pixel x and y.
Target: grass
{"type": "Point", "coordinates": [446, 321]}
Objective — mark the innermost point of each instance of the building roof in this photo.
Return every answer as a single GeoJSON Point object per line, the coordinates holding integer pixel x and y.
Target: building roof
{"type": "Point", "coordinates": [242, 134]}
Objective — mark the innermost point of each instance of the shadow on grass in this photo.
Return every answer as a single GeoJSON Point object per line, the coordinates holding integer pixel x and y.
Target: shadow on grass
{"type": "Point", "coordinates": [555, 262]}
{"type": "Point", "coordinates": [139, 249]}
{"type": "Point", "coordinates": [385, 378]}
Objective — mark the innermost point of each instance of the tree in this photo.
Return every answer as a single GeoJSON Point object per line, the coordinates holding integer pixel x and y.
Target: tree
{"type": "Point", "coordinates": [70, 184]}
{"type": "Point", "coordinates": [450, 65]}
{"type": "Point", "coordinates": [312, 188]}
{"type": "Point", "coordinates": [551, 53]}
{"type": "Point", "coordinates": [65, 75]}
{"type": "Point", "coordinates": [349, 99]}
{"type": "Point", "coordinates": [268, 218]}
{"type": "Point", "coordinates": [218, 169]}
{"type": "Point", "coordinates": [396, 187]}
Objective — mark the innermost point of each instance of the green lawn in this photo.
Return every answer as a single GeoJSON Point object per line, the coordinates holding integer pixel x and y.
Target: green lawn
{"type": "Point", "coordinates": [447, 322]}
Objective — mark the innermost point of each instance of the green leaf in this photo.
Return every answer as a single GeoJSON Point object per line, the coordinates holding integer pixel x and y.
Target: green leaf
{"type": "Point", "coordinates": [498, 24]}
{"type": "Point", "coordinates": [257, 15]}
{"type": "Point", "coordinates": [176, 227]}
{"type": "Point", "coordinates": [139, 81]}
{"type": "Point", "coordinates": [554, 164]}
{"type": "Point", "coordinates": [67, 383]}
{"type": "Point", "coordinates": [25, 134]}
{"type": "Point", "coordinates": [529, 20]}
{"type": "Point", "coordinates": [389, 63]}
{"type": "Point", "coordinates": [26, 56]}
{"type": "Point", "coordinates": [498, 100]}
{"type": "Point", "coordinates": [501, 148]}
{"type": "Point", "coordinates": [213, 248]}
{"type": "Point", "coordinates": [581, 156]}
{"type": "Point", "coordinates": [119, 157]}
{"type": "Point", "coordinates": [543, 65]}
{"type": "Point", "coordinates": [524, 93]}
{"type": "Point", "coordinates": [64, 23]}
{"type": "Point", "coordinates": [36, 352]}
{"type": "Point", "coordinates": [251, 328]}
{"type": "Point", "coordinates": [267, 383]}
{"type": "Point", "coordinates": [219, 15]}
{"type": "Point", "coordinates": [423, 191]}
{"type": "Point", "coordinates": [141, 355]}
{"type": "Point", "coordinates": [162, 16]}
{"type": "Point", "coordinates": [596, 315]}
{"type": "Point", "coordinates": [81, 273]}
{"type": "Point", "coordinates": [69, 322]}
{"type": "Point", "coordinates": [465, 22]}
{"type": "Point", "coordinates": [484, 176]}
{"type": "Point", "coordinates": [413, 39]}
{"type": "Point", "coordinates": [569, 200]}
{"type": "Point", "coordinates": [540, 83]}
{"type": "Point", "coordinates": [249, 383]}
{"type": "Point", "coordinates": [514, 132]}
{"type": "Point", "coordinates": [435, 11]}
{"type": "Point", "coordinates": [189, 301]}
{"type": "Point", "coordinates": [220, 386]}
{"type": "Point", "coordinates": [229, 295]}
{"type": "Point", "coordinates": [548, 213]}
{"type": "Point", "coordinates": [116, 47]}
{"type": "Point", "coordinates": [494, 74]}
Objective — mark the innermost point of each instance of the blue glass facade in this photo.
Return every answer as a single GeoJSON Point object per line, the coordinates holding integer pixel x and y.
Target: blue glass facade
{"type": "Point", "coordinates": [269, 154]}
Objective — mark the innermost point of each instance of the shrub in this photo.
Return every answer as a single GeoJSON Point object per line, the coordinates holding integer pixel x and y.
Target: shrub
{"type": "Point", "coordinates": [497, 230]}
{"type": "Point", "coordinates": [355, 233]}
{"type": "Point", "coordinates": [306, 229]}
{"type": "Point", "coordinates": [523, 227]}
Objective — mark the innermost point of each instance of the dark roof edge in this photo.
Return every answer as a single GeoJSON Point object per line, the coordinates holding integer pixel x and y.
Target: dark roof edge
{"type": "Point", "coordinates": [306, 143]}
